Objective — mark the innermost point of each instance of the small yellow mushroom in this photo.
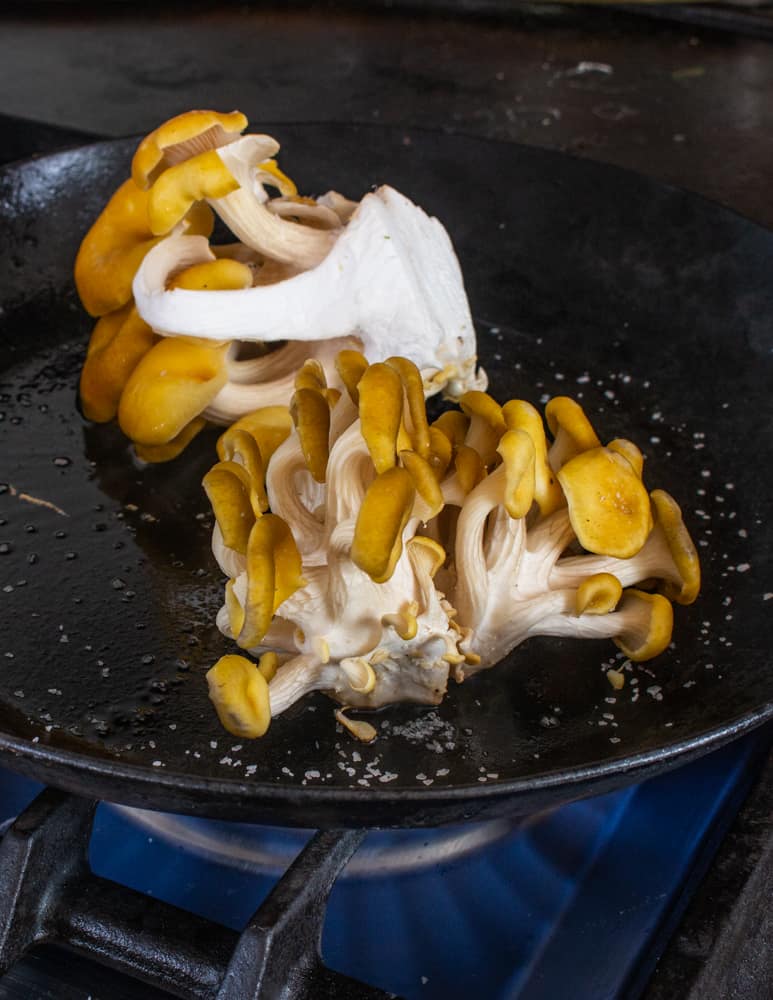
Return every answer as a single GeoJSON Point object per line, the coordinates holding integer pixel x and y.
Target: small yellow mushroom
{"type": "Point", "coordinates": [181, 137]}
{"type": "Point", "coordinates": [629, 451]}
{"type": "Point", "coordinates": [517, 451]}
{"type": "Point", "coordinates": [240, 447]}
{"type": "Point", "coordinates": [609, 508]}
{"type": "Point", "coordinates": [649, 622]}
{"type": "Point", "coordinates": [274, 573]}
{"type": "Point", "coordinates": [426, 484]}
{"type": "Point", "coordinates": [172, 384]}
{"type": "Point", "coordinates": [668, 516]}
{"type": "Point", "coordinates": [269, 426]}
{"type": "Point", "coordinates": [269, 173]}
{"type": "Point", "coordinates": [311, 415]}
{"type": "Point", "coordinates": [470, 469]}
{"type": "Point", "coordinates": [380, 391]}
{"type": "Point", "coordinates": [487, 424]}
{"type": "Point", "coordinates": [383, 515]}
{"type": "Point", "coordinates": [228, 486]}
{"type": "Point", "coordinates": [173, 447]}
{"type": "Point", "coordinates": [179, 187]}
{"type": "Point", "coordinates": [223, 274]}
{"type": "Point", "coordinates": [417, 410]}
{"type": "Point", "coordinates": [239, 692]}
{"type": "Point", "coordinates": [572, 432]}
{"type": "Point", "coordinates": [404, 621]}
{"type": "Point", "coordinates": [454, 425]}
{"type": "Point", "coordinates": [115, 246]}
{"type": "Point", "coordinates": [311, 375]}
{"type": "Point", "coordinates": [360, 730]}
{"type": "Point", "coordinates": [351, 366]}
{"type": "Point", "coordinates": [520, 415]}
{"type": "Point", "coordinates": [430, 553]}
{"type": "Point", "coordinates": [268, 664]}
{"type": "Point", "coordinates": [118, 343]}
{"type": "Point", "coordinates": [440, 452]}
{"type": "Point", "coordinates": [598, 594]}
{"type": "Point", "coordinates": [359, 673]}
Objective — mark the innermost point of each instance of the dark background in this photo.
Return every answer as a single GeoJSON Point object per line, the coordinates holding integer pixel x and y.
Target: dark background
{"type": "Point", "coordinates": [681, 93]}
{"type": "Point", "coordinates": [684, 103]}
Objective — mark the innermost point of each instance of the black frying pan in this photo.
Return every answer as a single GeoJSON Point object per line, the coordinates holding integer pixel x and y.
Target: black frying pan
{"type": "Point", "coordinates": [651, 305]}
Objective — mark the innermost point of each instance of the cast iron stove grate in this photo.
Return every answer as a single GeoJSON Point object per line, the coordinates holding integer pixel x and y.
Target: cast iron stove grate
{"type": "Point", "coordinates": [51, 894]}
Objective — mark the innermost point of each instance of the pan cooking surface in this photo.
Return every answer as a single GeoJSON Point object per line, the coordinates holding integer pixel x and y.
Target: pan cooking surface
{"type": "Point", "coordinates": [652, 307]}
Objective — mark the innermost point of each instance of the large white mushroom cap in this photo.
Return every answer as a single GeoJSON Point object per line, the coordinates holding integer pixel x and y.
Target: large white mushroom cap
{"type": "Point", "coordinates": [391, 278]}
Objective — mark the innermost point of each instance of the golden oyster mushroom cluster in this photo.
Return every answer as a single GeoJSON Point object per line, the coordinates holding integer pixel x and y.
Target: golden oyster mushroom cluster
{"type": "Point", "coordinates": [184, 327]}
{"type": "Point", "coordinates": [370, 553]}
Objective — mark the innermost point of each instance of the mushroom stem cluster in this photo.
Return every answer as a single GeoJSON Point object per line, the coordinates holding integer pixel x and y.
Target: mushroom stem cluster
{"type": "Point", "coordinates": [371, 554]}
{"type": "Point", "coordinates": [189, 332]}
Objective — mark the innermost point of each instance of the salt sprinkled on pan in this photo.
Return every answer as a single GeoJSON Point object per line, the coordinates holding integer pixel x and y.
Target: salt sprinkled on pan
{"type": "Point", "coordinates": [428, 728]}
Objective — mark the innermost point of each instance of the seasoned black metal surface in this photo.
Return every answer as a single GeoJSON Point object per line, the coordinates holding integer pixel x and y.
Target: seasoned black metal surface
{"type": "Point", "coordinates": [652, 306]}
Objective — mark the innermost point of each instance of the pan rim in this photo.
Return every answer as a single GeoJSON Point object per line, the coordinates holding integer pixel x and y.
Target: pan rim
{"type": "Point", "coordinates": [43, 758]}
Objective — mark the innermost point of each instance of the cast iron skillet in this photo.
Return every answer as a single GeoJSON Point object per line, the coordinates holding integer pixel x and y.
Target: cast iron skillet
{"type": "Point", "coordinates": [651, 305]}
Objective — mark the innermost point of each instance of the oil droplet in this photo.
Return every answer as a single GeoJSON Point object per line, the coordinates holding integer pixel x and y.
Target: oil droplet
{"type": "Point", "coordinates": [62, 461]}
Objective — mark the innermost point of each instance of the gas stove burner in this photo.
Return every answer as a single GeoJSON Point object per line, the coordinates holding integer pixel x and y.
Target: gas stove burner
{"type": "Point", "coordinates": [269, 850]}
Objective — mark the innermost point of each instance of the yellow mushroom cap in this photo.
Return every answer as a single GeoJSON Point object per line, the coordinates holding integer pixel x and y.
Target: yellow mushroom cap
{"type": "Point", "coordinates": [480, 404]}
{"type": "Point", "coordinates": [517, 451]}
{"type": "Point", "coordinates": [311, 416]}
{"type": "Point", "coordinates": [519, 414]}
{"type": "Point", "coordinates": [241, 447]}
{"type": "Point", "coordinates": [649, 625]}
{"type": "Point", "coordinates": [173, 447]}
{"type": "Point", "coordinates": [223, 274]}
{"type": "Point", "coordinates": [572, 431]}
{"type": "Point", "coordinates": [383, 515]}
{"type": "Point", "coordinates": [351, 366]}
{"type": "Point", "coordinates": [181, 186]}
{"type": "Point", "coordinates": [454, 425]}
{"type": "Point", "coordinates": [669, 516]}
{"type": "Point", "coordinates": [440, 452]}
{"type": "Point", "coordinates": [417, 409]}
{"type": "Point", "coordinates": [428, 552]}
{"type": "Point", "coordinates": [469, 467]}
{"type": "Point", "coordinates": [274, 573]}
{"type": "Point", "coordinates": [487, 424]}
{"type": "Point", "coordinates": [239, 692]}
{"type": "Point", "coordinates": [425, 481]}
{"type": "Point", "coordinates": [598, 594]}
{"type": "Point", "coordinates": [269, 426]}
{"type": "Point", "coordinates": [380, 392]}
{"type": "Point", "coordinates": [268, 664]}
{"type": "Point", "coordinates": [118, 342]}
{"type": "Point", "coordinates": [172, 384]}
{"type": "Point", "coordinates": [629, 451]}
{"type": "Point", "coordinates": [114, 247]}
{"type": "Point", "coordinates": [311, 375]}
{"type": "Point", "coordinates": [609, 508]}
{"type": "Point", "coordinates": [181, 137]}
{"type": "Point", "coordinates": [229, 487]}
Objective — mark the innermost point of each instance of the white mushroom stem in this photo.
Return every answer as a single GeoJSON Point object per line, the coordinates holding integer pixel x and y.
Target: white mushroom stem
{"type": "Point", "coordinates": [269, 379]}
{"type": "Point", "coordinates": [391, 279]}
{"type": "Point", "coordinates": [245, 213]}
{"type": "Point", "coordinates": [654, 559]}
{"type": "Point", "coordinates": [550, 614]}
